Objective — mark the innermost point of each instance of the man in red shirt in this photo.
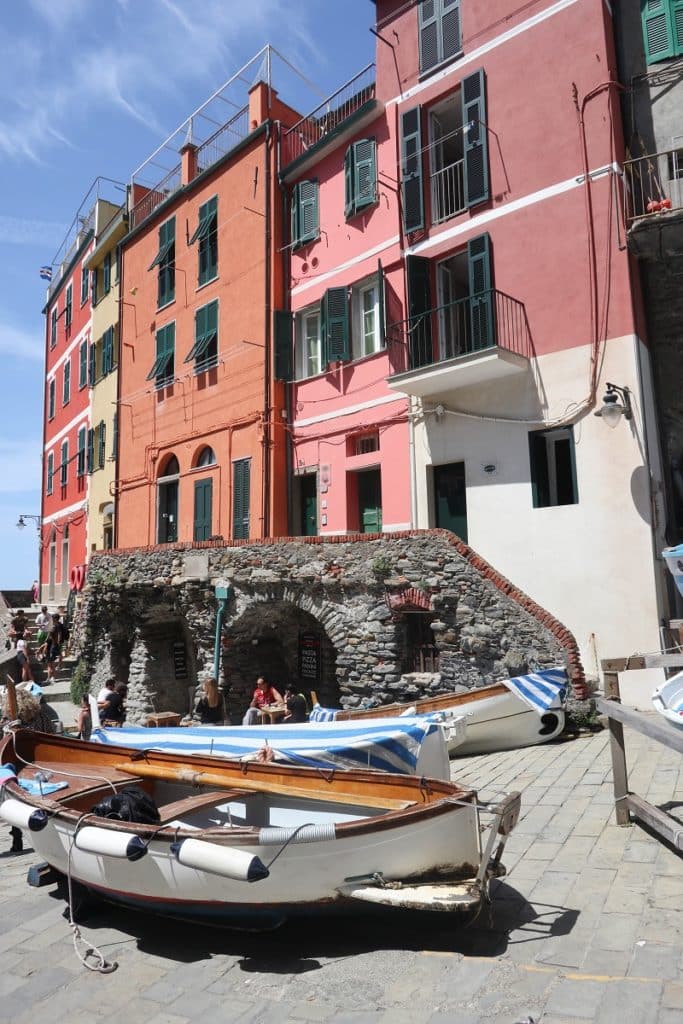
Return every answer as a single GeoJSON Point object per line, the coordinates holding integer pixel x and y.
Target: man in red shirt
{"type": "Point", "coordinates": [264, 695]}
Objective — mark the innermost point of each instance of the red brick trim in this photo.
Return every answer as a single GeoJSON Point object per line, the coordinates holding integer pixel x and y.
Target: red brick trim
{"type": "Point", "coordinates": [564, 637]}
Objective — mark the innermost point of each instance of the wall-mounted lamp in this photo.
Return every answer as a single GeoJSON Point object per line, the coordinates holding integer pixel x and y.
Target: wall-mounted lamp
{"type": "Point", "coordinates": [612, 409]}
{"type": "Point", "coordinates": [21, 521]}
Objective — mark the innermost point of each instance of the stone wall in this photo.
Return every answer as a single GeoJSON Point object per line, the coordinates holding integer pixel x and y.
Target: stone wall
{"type": "Point", "coordinates": [142, 607]}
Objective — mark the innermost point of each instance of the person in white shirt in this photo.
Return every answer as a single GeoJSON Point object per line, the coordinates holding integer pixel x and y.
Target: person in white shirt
{"type": "Point", "coordinates": [23, 660]}
{"type": "Point", "coordinates": [107, 689]}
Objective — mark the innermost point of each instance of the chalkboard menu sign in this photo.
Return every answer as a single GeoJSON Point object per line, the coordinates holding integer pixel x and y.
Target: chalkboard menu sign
{"type": "Point", "coordinates": [309, 657]}
{"type": "Point", "coordinates": [180, 660]}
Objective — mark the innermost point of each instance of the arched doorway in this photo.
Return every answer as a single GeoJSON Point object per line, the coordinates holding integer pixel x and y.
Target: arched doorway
{"type": "Point", "coordinates": [167, 501]}
{"type": "Point", "coordinates": [283, 643]}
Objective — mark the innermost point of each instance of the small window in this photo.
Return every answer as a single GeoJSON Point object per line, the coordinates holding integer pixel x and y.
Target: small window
{"type": "Point", "coordinates": [106, 274]}
{"type": "Point", "coordinates": [66, 383]}
{"type": "Point", "coordinates": [68, 309]}
{"type": "Point", "coordinates": [204, 352]}
{"type": "Point", "coordinates": [675, 160]}
{"type": "Point", "coordinates": [53, 327]}
{"type": "Point", "coordinates": [165, 261]}
{"type": "Point", "coordinates": [101, 444]}
{"type": "Point", "coordinates": [207, 236]}
{"type": "Point", "coordinates": [439, 31]}
{"type": "Point", "coordinates": [366, 443]}
{"type": "Point", "coordinates": [108, 361]}
{"type": "Point", "coordinates": [207, 457]}
{"type": "Point", "coordinates": [90, 452]}
{"type": "Point", "coordinates": [163, 369]}
{"type": "Point", "coordinates": [308, 343]}
{"type": "Point", "coordinates": [80, 460]}
{"type": "Point", "coordinates": [50, 473]}
{"type": "Point", "coordinates": [360, 177]}
{"type": "Point", "coordinates": [51, 399]}
{"type": "Point", "coordinates": [83, 364]}
{"type": "Point", "coordinates": [64, 465]}
{"type": "Point", "coordinates": [94, 284]}
{"type": "Point", "coordinates": [85, 283]}
{"type": "Point", "coordinates": [92, 367]}
{"type": "Point", "coordinates": [305, 216]}
{"type": "Point", "coordinates": [366, 328]}
{"type": "Point", "coordinates": [553, 468]}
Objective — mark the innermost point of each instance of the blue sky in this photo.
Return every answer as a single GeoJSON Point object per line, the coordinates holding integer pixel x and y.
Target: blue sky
{"type": "Point", "coordinates": [92, 87]}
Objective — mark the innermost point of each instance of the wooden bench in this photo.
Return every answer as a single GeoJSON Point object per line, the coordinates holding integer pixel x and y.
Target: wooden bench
{"type": "Point", "coordinates": [179, 808]}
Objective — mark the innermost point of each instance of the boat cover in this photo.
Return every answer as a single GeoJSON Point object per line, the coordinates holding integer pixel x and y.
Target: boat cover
{"type": "Point", "coordinates": [389, 744]}
{"type": "Point", "coordinates": [540, 690]}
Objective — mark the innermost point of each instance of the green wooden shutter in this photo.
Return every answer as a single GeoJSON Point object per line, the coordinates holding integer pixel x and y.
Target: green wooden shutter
{"type": "Point", "coordinates": [308, 210]}
{"type": "Point", "coordinates": [51, 399]}
{"type": "Point", "coordinates": [283, 345]}
{"type": "Point", "coordinates": [349, 206]}
{"type": "Point", "coordinates": [364, 174]}
{"type": "Point", "coordinates": [411, 170]}
{"type": "Point", "coordinates": [428, 25]}
{"type": "Point", "coordinates": [538, 469]}
{"type": "Point", "coordinates": [108, 351]}
{"type": "Point", "coordinates": [450, 28]}
{"type": "Point", "coordinates": [294, 217]}
{"type": "Point", "coordinates": [115, 437]}
{"type": "Point", "coordinates": [50, 473]}
{"type": "Point", "coordinates": [203, 495]}
{"type": "Point", "coordinates": [80, 462]}
{"type": "Point", "coordinates": [476, 138]}
{"type": "Point", "coordinates": [482, 325]}
{"type": "Point", "coordinates": [381, 305]}
{"type": "Point", "coordinates": [91, 450]}
{"type": "Point", "coordinates": [93, 287]}
{"type": "Point", "coordinates": [91, 365]}
{"type": "Point", "coordinates": [241, 499]}
{"type": "Point", "coordinates": [83, 364]}
{"type": "Point", "coordinates": [106, 274]}
{"type": "Point", "coordinates": [336, 324]}
{"type": "Point", "coordinates": [677, 26]}
{"type": "Point", "coordinates": [658, 35]}
{"type": "Point", "coordinates": [419, 306]}
{"type": "Point", "coordinates": [101, 445]}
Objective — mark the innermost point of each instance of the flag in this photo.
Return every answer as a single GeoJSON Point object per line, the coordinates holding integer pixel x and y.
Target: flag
{"type": "Point", "coordinates": [46, 273]}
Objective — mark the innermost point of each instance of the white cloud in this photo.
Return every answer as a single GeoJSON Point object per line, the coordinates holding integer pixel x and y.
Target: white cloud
{"type": "Point", "coordinates": [20, 463]}
{"type": "Point", "coordinates": [19, 231]}
{"type": "Point", "coordinates": [21, 344]}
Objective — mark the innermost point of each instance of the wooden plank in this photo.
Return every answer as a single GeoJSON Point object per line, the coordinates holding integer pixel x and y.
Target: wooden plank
{"type": "Point", "coordinates": [649, 725]}
{"type": "Point", "coordinates": [663, 824]}
{"type": "Point", "coordinates": [202, 778]}
{"type": "Point", "coordinates": [622, 664]}
{"type": "Point", "coordinates": [664, 660]}
{"type": "Point", "coordinates": [610, 682]}
{"type": "Point", "coordinates": [179, 808]}
{"type": "Point", "coordinates": [619, 771]}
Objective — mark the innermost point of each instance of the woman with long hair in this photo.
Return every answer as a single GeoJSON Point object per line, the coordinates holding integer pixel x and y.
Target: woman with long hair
{"type": "Point", "coordinates": [210, 705]}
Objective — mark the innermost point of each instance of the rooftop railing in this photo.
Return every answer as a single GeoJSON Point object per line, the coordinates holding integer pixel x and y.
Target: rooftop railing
{"type": "Point", "coordinates": [654, 185]}
{"type": "Point", "coordinates": [473, 324]}
{"type": "Point", "coordinates": [327, 117]}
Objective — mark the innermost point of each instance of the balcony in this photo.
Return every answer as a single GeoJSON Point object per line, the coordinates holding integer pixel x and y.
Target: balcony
{"type": "Point", "coordinates": [653, 204]}
{"type": "Point", "coordinates": [473, 340]}
{"type": "Point", "coordinates": [343, 113]}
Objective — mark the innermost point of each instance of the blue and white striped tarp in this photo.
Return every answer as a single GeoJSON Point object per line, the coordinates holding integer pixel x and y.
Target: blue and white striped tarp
{"type": "Point", "coordinates": [389, 745]}
{"type": "Point", "coordinates": [540, 690]}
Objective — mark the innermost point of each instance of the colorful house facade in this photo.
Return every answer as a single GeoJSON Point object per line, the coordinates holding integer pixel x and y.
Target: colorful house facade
{"type": "Point", "coordinates": [462, 304]}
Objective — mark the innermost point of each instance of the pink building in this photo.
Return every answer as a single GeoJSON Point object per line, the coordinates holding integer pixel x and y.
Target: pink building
{"type": "Point", "coordinates": [462, 297]}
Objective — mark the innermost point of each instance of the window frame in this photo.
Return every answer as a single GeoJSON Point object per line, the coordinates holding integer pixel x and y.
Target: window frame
{"type": "Point", "coordinates": [106, 273]}
{"type": "Point", "coordinates": [302, 359]}
{"type": "Point", "coordinates": [51, 398]}
{"type": "Point", "coordinates": [165, 262]}
{"type": "Point", "coordinates": [544, 475]}
{"type": "Point", "coordinates": [66, 382]}
{"type": "Point", "coordinates": [83, 365]}
{"type": "Point", "coordinates": [358, 291]}
{"type": "Point", "coordinates": [64, 463]}
{"type": "Point", "coordinates": [204, 351]}
{"type": "Point", "coordinates": [53, 326]}
{"type": "Point", "coordinates": [50, 473]}
{"type": "Point", "coordinates": [80, 460]}
{"type": "Point", "coordinates": [68, 307]}
{"type": "Point", "coordinates": [163, 368]}
{"type": "Point", "coordinates": [442, 10]}
{"type": "Point", "coordinates": [206, 234]}
{"type": "Point", "coordinates": [85, 285]}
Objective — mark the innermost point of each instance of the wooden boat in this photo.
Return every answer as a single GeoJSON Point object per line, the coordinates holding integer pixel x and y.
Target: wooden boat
{"type": "Point", "coordinates": [306, 840]}
{"type": "Point", "coordinates": [410, 745]}
{"type": "Point", "coordinates": [518, 712]}
{"type": "Point", "coordinates": [667, 699]}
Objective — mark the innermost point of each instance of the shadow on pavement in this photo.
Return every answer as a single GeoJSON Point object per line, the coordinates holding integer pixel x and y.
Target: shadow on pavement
{"type": "Point", "coordinates": [511, 920]}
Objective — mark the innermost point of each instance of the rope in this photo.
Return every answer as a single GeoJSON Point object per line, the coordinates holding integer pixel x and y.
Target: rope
{"type": "Point", "coordinates": [287, 842]}
{"type": "Point", "coordinates": [101, 965]}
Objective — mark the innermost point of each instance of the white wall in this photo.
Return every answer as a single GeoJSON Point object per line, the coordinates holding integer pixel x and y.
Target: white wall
{"type": "Point", "coordinates": [590, 564]}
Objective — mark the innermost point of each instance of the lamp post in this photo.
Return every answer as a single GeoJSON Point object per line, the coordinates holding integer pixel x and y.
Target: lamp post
{"type": "Point", "coordinates": [21, 524]}
{"type": "Point", "coordinates": [612, 409]}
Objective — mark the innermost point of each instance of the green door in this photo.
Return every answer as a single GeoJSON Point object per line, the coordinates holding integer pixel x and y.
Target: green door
{"type": "Point", "coordinates": [168, 513]}
{"type": "Point", "coordinates": [309, 505]}
{"type": "Point", "coordinates": [450, 500]}
{"type": "Point", "coordinates": [370, 501]}
{"type": "Point", "coordinates": [203, 492]}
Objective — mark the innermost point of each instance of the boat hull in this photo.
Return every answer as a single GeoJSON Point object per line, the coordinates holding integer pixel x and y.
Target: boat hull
{"type": "Point", "coordinates": [667, 699]}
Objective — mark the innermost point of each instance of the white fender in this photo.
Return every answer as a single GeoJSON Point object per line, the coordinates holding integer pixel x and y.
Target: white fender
{"type": "Point", "coordinates": [22, 816]}
{"type": "Point", "coordinates": [220, 860]}
{"type": "Point", "coordinates": [109, 842]}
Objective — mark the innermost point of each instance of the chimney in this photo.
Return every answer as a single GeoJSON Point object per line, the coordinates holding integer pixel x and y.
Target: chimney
{"type": "Point", "coordinates": [188, 158]}
{"type": "Point", "coordinates": [259, 105]}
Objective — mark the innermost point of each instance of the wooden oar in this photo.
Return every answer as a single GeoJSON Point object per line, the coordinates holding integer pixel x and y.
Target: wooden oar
{"type": "Point", "coordinates": [151, 771]}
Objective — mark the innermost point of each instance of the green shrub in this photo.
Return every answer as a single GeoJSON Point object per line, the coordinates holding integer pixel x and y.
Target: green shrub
{"type": "Point", "coordinates": [80, 683]}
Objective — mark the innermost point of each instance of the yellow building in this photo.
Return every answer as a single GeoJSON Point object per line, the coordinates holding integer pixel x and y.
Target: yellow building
{"type": "Point", "coordinates": [98, 441]}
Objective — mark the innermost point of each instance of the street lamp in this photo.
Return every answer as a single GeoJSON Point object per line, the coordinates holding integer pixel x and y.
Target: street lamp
{"type": "Point", "coordinates": [612, 409]}
{"type": "Point", "coordinates": [21, 521]}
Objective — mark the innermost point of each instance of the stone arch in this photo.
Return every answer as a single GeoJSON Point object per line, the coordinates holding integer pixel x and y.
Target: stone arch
{"type": "Point", "coordinates": [287, 643]}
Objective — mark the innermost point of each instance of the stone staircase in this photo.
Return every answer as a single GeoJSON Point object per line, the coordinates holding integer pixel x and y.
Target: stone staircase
{"type": "Point", "coordinates": [58, 692]}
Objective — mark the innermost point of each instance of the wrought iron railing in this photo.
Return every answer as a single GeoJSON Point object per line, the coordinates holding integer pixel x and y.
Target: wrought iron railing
{"type": "Point", "coordinates": [654, 185]}
{"type": "Point", "coordinates": [223, 140]}
{"type": "Point", "coordinates": [473, 324]}
{"type": "Point", "coordinates": [448, 191]}
{"type": "Point", "coordinates": [155, 197]}
{"type": "Point", "coordinates": [326, 118]}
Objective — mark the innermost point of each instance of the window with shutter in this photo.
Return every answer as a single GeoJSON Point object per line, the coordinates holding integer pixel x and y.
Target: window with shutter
{"type": "Point", "coordinates": [50, 473]}
{"type": "Point", "coordinates": [336, 325]}
{"type": "Point", "coordinates": [83, 364]}
{"type": "Point", "coordinates": [163, 368]}
{"type": "Point", "coordinates": [360, 176]}
{"type": "Point", "coordinates": [283, 345]}
{"type": "Point", "coordinates": [348, 183]}
{"type": "Point", "coordinates": [68, 309]}
{"type": "Point", "coordinates": [482, 309]}
{"type": "Point", "coordinates": [80, 461]}
{"type": "Point", "coordinates": [439, 32]}
{"type": "Point", "coordinates": [660, 35]}
{"type": "Point", "coordinates": [85, 282]}
{"type": "Point", "coordinates": [101, 444]}
{"type": "Point", "coordinates": [366, 317]}
{"type": "Point", "coordinates": [165, 261]}
{"type": "Point", "coordinates": [115, 437]}
{"type": "Point", "coordinates": [51, 399]}
{"type": "Point", "coordinates": [411, 170]}
{"type": "Point", "coordinates": [106, 274]}
{"type": "Point", "coordinates": [476, 138]}
{"type": "Point", "coordinates": [91, 365]}
{"type": "Point", "coordinates": [93, 286]}
{"type": "Point", "coordinates": [241, 474]}
{"type": "Point", "coordinates": [305, 213]}
{"type": "Point", "coordinates": [64, 466]}
{"type": "Point", "coordinates": [552, 463]}
{"type": "Point", "coordinates": [309, 357]}
{"type": "Point", "coordinates": [91, 450]}
{"type": "Point", "coordinates": [206, 234]}
{"type": "Point", "coordinates": [107, 351]}
{"type": "Point", "coordinates": [66, 384]}
{"type": "Point", "coordinates": [53, 327]}
{"type": "Point", "coordinates": [204, 352]}
{"type": "Point", "coordinates": [419, 308]}
{"type": "Point", "coordinates": [203, 495]}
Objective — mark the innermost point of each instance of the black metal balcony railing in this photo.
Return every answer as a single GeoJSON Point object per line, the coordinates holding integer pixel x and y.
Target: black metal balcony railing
{"type": "Point", "coordinates": [654, 185]}
{"type": "Point", "coordinates": [326, 118]}
{"type": "Point", "coordinates": [474, 324]}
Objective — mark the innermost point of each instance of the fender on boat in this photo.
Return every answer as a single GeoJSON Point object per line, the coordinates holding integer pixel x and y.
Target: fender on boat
{"type": "Point", "coordinates": [21, 816]}
{"type": "Point", "coordinates": [220, 860]}
{"type": "Point", "coordinates": [110, 843]}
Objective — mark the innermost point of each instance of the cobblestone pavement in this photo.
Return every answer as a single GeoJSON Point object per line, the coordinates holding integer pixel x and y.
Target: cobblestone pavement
{"type": "Point", "coordinates": [587, 926]}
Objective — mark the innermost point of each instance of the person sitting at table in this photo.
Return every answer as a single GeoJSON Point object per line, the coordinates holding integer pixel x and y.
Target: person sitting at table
{"type": "Point", "coordinates": [209, 707]}
{"type": "Point", "coordinates": [297, 708]}
{"type": "Point", "coordinates": [113, 712]}
{"type": "Point", "coordinates": [264, 695]}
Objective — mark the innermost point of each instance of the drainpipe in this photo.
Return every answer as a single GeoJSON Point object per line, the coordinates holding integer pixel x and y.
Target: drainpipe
{"type": "Point", "coordinates": [267, 363]}
{"type": "Point", "coordinates": [222, 595]}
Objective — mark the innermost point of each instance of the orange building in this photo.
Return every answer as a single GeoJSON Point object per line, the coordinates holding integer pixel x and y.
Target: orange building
{"type": "Point", "coordinates": [201, 435]}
